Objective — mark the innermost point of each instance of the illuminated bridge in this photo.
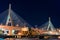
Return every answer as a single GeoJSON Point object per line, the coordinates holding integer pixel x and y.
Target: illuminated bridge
{"type": "Point", "coordinates": [12, 25]}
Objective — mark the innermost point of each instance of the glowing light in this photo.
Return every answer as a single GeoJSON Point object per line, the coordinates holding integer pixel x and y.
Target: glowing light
{"type": "Point", "coordinates": [19, 33]}
{"type": "Point", "coordinates": [50, 31]}
{"type": "Point", "coordinates": [59, 30]}
{"type": "Point", "coordinates": [59, 37]}
{"type": "Point", "coordinates": [8, 34]}
{"type": "Point", "coordinates": [25, 29]}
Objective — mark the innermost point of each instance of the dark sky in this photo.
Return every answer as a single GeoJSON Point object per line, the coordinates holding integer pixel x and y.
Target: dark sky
{"type": "Point", "coordinates": [35, 12]}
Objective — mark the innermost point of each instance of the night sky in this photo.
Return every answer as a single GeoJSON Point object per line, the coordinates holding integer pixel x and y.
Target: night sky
{"type": "Point", "coordinates": [35, 12]}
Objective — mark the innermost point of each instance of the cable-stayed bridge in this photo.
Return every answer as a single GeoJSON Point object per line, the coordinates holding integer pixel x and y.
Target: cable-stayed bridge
{"type": "Point", "coordinates": [49, 28]}
{"type": "Point", "coordinates": [12, 24]}
{"type": "Point", "coordinates": [9, 16]}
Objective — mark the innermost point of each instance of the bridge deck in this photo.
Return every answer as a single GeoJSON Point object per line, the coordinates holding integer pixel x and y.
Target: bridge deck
{"type": "Point", "coordinates": [32, 36]}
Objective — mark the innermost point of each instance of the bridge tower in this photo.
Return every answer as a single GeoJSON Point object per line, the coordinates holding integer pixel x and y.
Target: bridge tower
{"type": "Point", "coordinates": [9, 19]}
{"type": "Point", "coordinates": [50, 25]}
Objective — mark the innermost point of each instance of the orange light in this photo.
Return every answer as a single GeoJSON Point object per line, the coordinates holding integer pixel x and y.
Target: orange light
{"type": "Point", "coordinates": [25, 29]}
{"type": "Point", "coordinates": [19, 33]}
{"type": "Point", "coordinates": [59, 37]}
